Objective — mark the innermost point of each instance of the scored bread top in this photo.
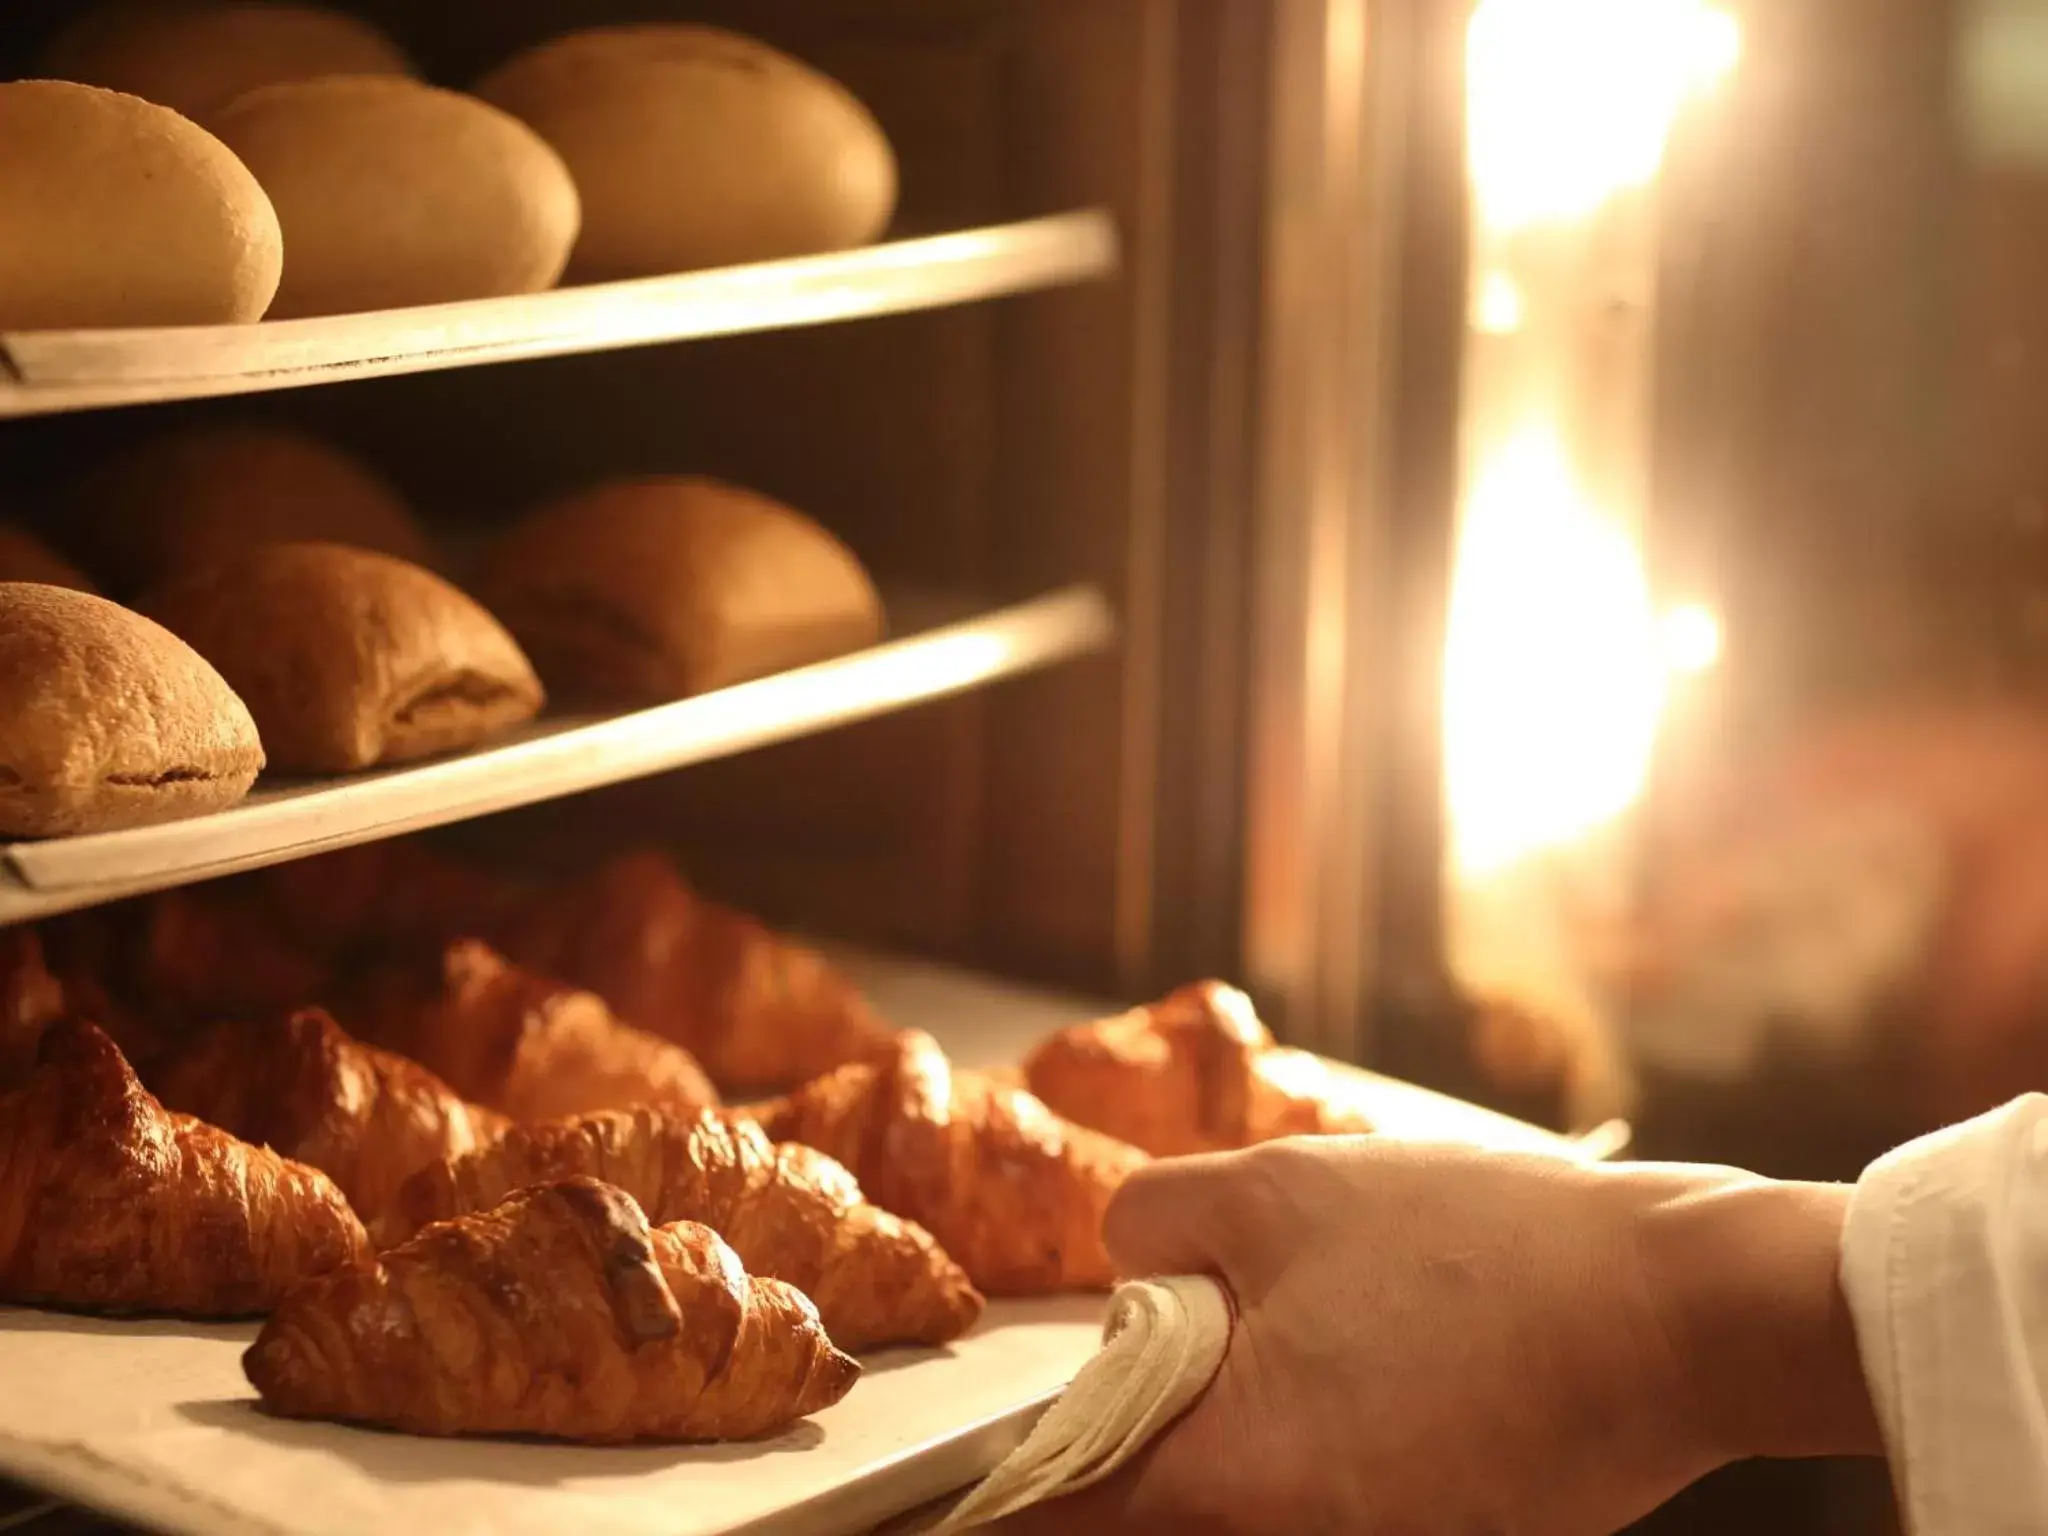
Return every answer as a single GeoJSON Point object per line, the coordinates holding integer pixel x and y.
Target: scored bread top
{"type": "Point", "coordinates": [109, 720]}
{"type": "Point", "coordinates": [350, 658]}
{"type": "Point", "coordinates": [659, 588]}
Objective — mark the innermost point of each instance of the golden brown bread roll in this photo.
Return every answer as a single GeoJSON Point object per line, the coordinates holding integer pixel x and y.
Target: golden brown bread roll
{"type": "Point", "coordinates": [392, 193]}
{"type": "Point", "coordinates": [108, 720]}
{"type": "Point", "coordinates": [24, 557]}
{"type": "Point", "coordinates": [349, 658]}
{"type": "Point", "coordinates": [192, 496]}
{"type": "Point", "coordinates": [194, 56]}
{"type": "Point", "coordinates": [645, 590]}
{"type": "Point", "coordinates": [119, 212]}
{"type": "Point", "coordinates": [696, 147]}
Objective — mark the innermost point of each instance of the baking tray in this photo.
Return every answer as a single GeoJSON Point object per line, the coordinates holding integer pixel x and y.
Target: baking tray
{"type": "Point", "coordinates": [154, 1423]}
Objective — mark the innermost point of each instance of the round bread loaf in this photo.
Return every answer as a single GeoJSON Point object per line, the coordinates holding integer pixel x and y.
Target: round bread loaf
{"type": "Point", "coordinates": [642, 591]}
{"type": "Point", "coordinates": [191, 497]}
{"type": "Point", "coordinates": [117, 212]}
{"type": "Point", "coordinates": [195, 57]}
{"type": "Point", "coordinates": [393, 193]}
{"type": "Point", "coordinates": [347, 658]}
{"type": "Point", "coordinates": [24, 557]}
{"type": "Point", "coordinates": [696, 147]}
{"type": "Point", "coordinates": [108, 720]}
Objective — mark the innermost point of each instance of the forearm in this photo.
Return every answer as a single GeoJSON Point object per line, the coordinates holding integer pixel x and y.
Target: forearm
{"type": "Point", "coordinates": [1746, 1273]}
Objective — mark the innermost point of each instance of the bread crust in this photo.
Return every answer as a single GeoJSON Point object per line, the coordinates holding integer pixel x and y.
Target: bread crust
{"type": "Point", "coordinates": [348, 658]}
{"type": "Point", "coordinates": [640, 591]}
{"type": "Point", "coordinates": [107, 720]}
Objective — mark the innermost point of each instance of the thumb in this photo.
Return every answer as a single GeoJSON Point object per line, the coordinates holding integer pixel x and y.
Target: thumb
{"type": "Point", "coordinates": [1173, 1217]}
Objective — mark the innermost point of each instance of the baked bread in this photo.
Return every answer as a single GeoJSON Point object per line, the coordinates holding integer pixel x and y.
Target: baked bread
{"type": "Point", "coordinates": [194, 56]}
{"type": "Point", "coordinates": [392, 193]}
{"type": "Point", "coordinates": [24, 557]}
{"type": "Point", "coordinates": [119, 212]}
{"type": "Point", "coordinates": [348, 658]}
{"type": "Point", "coordinates": [641, 591]}
{"type": "Point", "coordinates": [696, 147]}
{"type": "Point", "coordinates": [108, 720]}
{"type": "Point", "coordinates": [192, 496]}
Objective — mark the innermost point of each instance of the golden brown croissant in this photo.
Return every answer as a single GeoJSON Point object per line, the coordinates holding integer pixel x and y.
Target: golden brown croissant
{"type": "Point", "coordinates": [109, 1202]}
{"type": "Point", "coordinates": [559, 1313]}
{"type": "Point", "coordinates": [520, 1043]}
{"type": "Point", "coordinates": [762, 1012]}
{"type": "Point", "coordinates": [1193, 1072]}
{"type": "Point", "coordinates": [366, 1118]}
{"type": "Point", "coordinates": [1009, 1189]}
{"type": "Point", "coordinates": [790, 1213]}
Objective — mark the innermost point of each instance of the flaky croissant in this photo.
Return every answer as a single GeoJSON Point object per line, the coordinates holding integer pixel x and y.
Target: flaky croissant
{"type": "Point", "coordinates": [558, 1313]}
{"type": "Point", "coordinates": [1193, 1072]}
{"type": "Point", "coordinates": [790, 1212]}
{"type": "Point", "coordinates": [517, 1042]}
{"type": "Point", "coordinates": [111, 1203]}
{"type": "Point", "coordinates": [1009, 1189]}
{"type": "Point", "coordinates": [366, 1118]}
{"type": "Point", "coordinates": [762, 1012]}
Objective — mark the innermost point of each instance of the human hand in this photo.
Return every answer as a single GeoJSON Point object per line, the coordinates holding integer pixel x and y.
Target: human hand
{"type": "Point", "coordinates": [1439, 1340]}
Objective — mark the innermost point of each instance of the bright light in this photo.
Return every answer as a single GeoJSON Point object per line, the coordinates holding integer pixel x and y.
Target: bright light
{"type": "Point", "coordinates": [1572, 101]}
{"type": "Point", "coordinates": [1500, 309]}
{"type": "Point", "coordinates": [1692, 640]}
{"type": "Point", "coordinates": [1553, 682]}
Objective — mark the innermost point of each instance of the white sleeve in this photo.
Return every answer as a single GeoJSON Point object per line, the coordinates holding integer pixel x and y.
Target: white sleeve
{"type": "Point", "coordinates": [1945, 1265]}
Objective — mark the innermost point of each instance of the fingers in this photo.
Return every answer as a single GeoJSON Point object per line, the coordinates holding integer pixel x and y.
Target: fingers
{"type": "Point", "coordinates": [1172, 1218]}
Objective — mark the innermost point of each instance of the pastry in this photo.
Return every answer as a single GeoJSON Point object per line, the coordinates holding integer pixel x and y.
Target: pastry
{"type": "Point", "coordinates": [514, 1040]}
{"type": "Point", "coordinates": [1010, 1190]}
{"type": "Point", "coordinates": [197, 495]}
{"type": "Point", "coordinates": [392, 193]}
{"type": "Point", "coordinates": [367, 1119]}
{"type": "Point", "coordinates": [1193, 1072]}
{"type": "Point", "coordinates": [349, 659]}
{"type": "Point", "coordinates": [790, 1213]}
{"type": "Point", "coordinates": [108, 720]}
{"type": "Point", "coordinates": [762, 1012]}
{"type": "Point", "coordinates": [119, 212]}
{"type": "Point", "coordinates": [399, 891]}
{"type": "Point", "coordinates": [642, 591]}
{"type": "Point", "coordinates": [202, 955]}
{"type": "Point", "coordinates": [24, 557]}
{"type": "Point", "coordinates": [695, 147]}
{"type": "Point", "coordinates": [195, 56]}
{"type": "Point", "coordinates": [558, 1313]}
{"type": "Point", "coordinates": [110, 1203]}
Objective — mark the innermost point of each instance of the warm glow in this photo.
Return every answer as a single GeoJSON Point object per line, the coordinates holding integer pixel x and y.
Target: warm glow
{"type": "Point", "coordinates": [1553, 679]}
{"type": "Point", "coordinates": [1500, 308]}
{"type": "Point", "coordinates": [1692, 640]}
{"type": "Point", "coordinates": [1572, 101]}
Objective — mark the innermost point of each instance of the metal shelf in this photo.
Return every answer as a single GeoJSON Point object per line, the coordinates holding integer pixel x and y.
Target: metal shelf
{"type": "Point", "coordinates": [560, 755]}
{"type": "Point", "coordinates": [45, 372]}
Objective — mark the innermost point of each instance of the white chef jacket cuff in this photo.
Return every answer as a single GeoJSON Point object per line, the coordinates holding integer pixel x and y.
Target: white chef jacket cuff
{"type": "Point", "coordinates": [1945, 1266]}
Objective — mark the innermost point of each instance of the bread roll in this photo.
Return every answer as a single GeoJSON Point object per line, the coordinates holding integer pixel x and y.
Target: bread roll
{"type": "Point", "coordinates": [648, 590]}
{"type": "Point", "coordinates": [115, 212]}
{"type": "Point", "coordinates": [349, 658]}
{"type": "Point", "coordinates": [191, 497]}
{"type": "Point", "coordinates": [393, 193]}
{"type": "Point", "coordinates": [24, 557]}
{"type": "Point", "coordinates": [108, 721]}
{"type": "Point", "coordinates": [195, 57]}
{"type": "Point", "coordinates": [695, 147]}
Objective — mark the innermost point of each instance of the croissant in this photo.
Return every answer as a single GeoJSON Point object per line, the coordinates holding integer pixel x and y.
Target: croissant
{"type": "Point", "coordinates": [109, 1202]}
{"type": "Point", "coordinates": [790, 1213]}
{"type": "Point", "coordinates": [395, 892]}
{"type": "Point", "coordinates": [762, 1012]}
{"type": "Point", "coordinates": [364, 1117]}
{"type": "Point", "coordinates": [207, 955]}
{"type": "Point", "coordinates": [558, 1313]}
{"type": "Point", "coordinates": [1009, 1189]}
{"type": "Point", "coordinates": [531, 1048]}
{"type": "Point", "coordinates": [1194, 1072]}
